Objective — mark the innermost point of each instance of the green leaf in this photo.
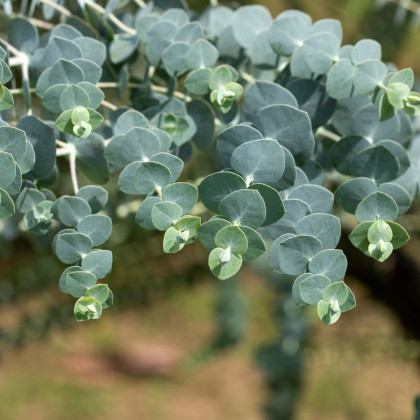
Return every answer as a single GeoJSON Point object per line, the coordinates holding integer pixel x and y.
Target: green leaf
{"type": "Point", "coordinates": [233, 238]}
{"type": "Point", "coordinates": [87, 308]}
{"type": "Point", "coordinates": [288, 125]}
{"type": "Point", "coordinates": [274, 207]}
{"type": "Point", "coordinates": [174, 58]}
{"type": "Point", "coordinates": [171, 242]}
{"type": "Point", "coordinates": [189, 33]}
{"type": "Point", "coordinates": [224, 270]}
{"type": "Point", "coordinates": [63, 277]}
{"type": "Point", "coordinates": [340, 79]}
{"type": "Point", "coordinates": [260, 161]}
{"type": "Point", "coordinates": [122, 47]}
{"type": "Point", "coordinates": [295, 253]}
{"type": "Point", "coordinates": [207, 232]}
{"type": "Point", "coordinates": [231, 138]}
{"type": "Point", "coordinates": [319, 199]}
{"type": "Point", "coordinates": [288, 31]}
{"type": "Point", "coordinates": [325, 227]}
{"type": "Point", "coordinates": [376, 206]}
{"type": "Point", "coordinates": [379, 230]}
{"type": "Point", "coordinates": [72, 97]}
{"type": "Point", "coordinates": [158, 37]}
{"type": "Point", "coordinates": [405, 76]}
{"type": "Point", "coordinates": [7, 169]}
{"type": "Point", "coordinates": [244, 207]}
{"type": "Point", "coordinates": [139, 144]}
{"type": "Point", "coordinates": [397, 93]}
{"type": "Point", "coordinates": [320, 50]}
{"type": "Point", "coordinates": [248, 22]}
{"type": "Point", "coordinates": [95, 118]}
{"type": "Point", "coordinates": [128, 120]}
{"type": "Point", "coordinates": [22, 35]}
{"type": "Point", "coordinates": [144, 213]}
{"type": "Point", "coordinates": [13, 141]}
{"type": "Point", "coordinates": [92, 49]}
{"type": "Point", "coordinates": [71, 210]}
{"type": "Point", "coordinates": [28, 198]}
{"type": "Point", "coordinates": [98, 262]}
{"type": "Point", "coordinates": [150, 176]}
{"type": "Point", "coordinates": [261, 53]}
{"type": "Point", "coordinates": [215, 187]}
{"type": "Point", "coordinates": [331, 263]}
{"type": "Point", "coordinates": [70, 247]}
{"type": "Point", "coordinates": [91, 71]}
{"type": "Point", "coordinates": [349, 194]}
{"type": "Point", "coordinates": [7, 101]}
{"type": "Point", "coordinates": [376, 162]}
{"type": "Point", "coordinates": [65, 72]}
{"type": "Point", "coordinates": [261, 94]}
{"type": "Point", "coordinates": [99, 292]}
{"type": "Point", "coordinates": [336, 292]}
{"type": "Point", "coordinates": [165, 214]}
{"type": "Point", "coordinates": [399, 235]}
{"type": "Point", "coordinates": [97, 227]}
{"type": "Point", "coordinates": [77, 282]}
{"type": "Point", "coordinates": [202, 54]}
{"type": "Point", "coordinates": [7, 207]}
{"type": "Point", "coordinates": [95, 196]}
{"type": "Point", "coordinates": [350, 303]}
{"type": "Point", "coordinates": [366, 49]}
{"type": "Point", "coordinates": [380, 251]}
{"type": "Point", "coordinates": [311, 289]}
{"type": "Point", "coordinates": [342, 152]}
{"type": "Point", "coordinates": [296, 289]}
{"type": "Point", "coordinates": [368, 75]}
{"type": "Point", "coordinates": [295, 211]}
{"type": "Point", "coordinates": [256, 245]}
{"type": "Point", "coordinates": [327, 315]}
{"type": "Point", "coordinates": [386, 110]}
{"type": "Point", "coordinates": [358, 237]}
{"type": "Point", "coordinates": [181, 193]}
{"type": "Point", "coordinates": [220, 76]}
{"type": "Point", "coordinates": [197, 82]}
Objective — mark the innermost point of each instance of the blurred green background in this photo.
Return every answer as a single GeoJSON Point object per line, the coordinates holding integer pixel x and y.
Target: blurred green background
{"type": "Point", "coordinates": [165, 350]}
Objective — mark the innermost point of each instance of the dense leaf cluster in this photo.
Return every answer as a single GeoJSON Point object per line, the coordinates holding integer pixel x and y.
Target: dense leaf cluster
{"type": "Point", "coordinates": [290, 109]}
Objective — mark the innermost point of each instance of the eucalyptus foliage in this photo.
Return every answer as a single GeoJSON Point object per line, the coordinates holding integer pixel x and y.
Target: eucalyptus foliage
{"type": "Point", "coordinates": [285, 106]}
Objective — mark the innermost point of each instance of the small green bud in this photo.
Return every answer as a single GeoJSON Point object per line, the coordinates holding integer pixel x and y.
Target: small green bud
{"type": "Point", "coordinates": [225, 255]}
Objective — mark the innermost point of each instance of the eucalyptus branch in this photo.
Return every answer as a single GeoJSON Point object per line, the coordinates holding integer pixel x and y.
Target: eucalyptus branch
{"type": "Point", "coordinates": [73, 173]}
{"type": "Point", "coordinates": [322, 131]}
{"type": "Point", "coordinates": [57, 7]}
{"type": "Point", "coordinates": [140, 3]}
{"type": "Point", "coordinates": [109, 105]}
{"type": "Point", "coordinates": [12, 49]}
{"type": "Point", "coordinates": [111, 17]}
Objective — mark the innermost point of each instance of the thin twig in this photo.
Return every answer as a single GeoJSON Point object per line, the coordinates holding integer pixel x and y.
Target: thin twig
{"type": "Point", "coordinates": [62, 151]}
{"type": "Point", "coordinates": [12, 49]}
{"type": "Point", "coordinates": [111, 17]}
{"type": "Point", "coordinates": [62, 144]}
{"type": "Point", "coordinates": [109, 105]}
{"type": "Point", "coordinates": [73, 172]}
{"type": "Point", "coordinates": [140, 3]}
{"type": "Point", "coordinates": [57, 7]}
{"type": "Point", "coordinates": [42, 24]}
{"type": "Point", "coordinates": [327, 133]}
